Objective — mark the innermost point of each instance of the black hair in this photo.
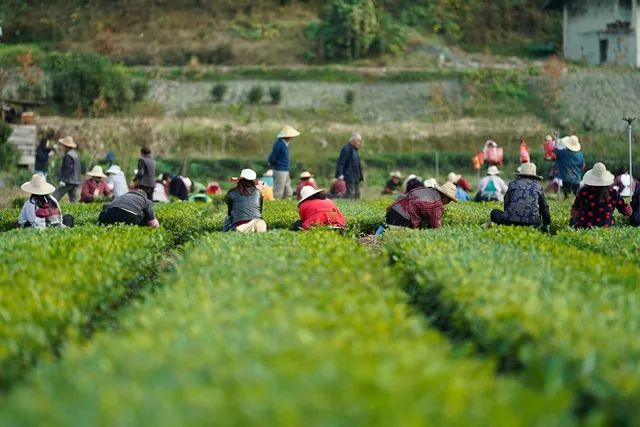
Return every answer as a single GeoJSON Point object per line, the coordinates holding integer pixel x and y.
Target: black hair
{"type": "Point", "coordinates": [413, 184]}
{"type": "Point", "coordinates": [603, 194]}
{"type": "Point", "coordinates": [145, 150]}
{"type": "Point", "coordinates": [245, 187]}
{"type": "Point", "coordinates": [166, 175]}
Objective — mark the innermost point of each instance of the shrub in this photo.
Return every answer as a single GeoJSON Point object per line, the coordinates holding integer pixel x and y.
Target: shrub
{"type": "Point", "coordinates": [140, 89]}
{"type": "Point", "coordinates": [349, 97]}
{"type": "Point", "coordinates": [255, 94]}
{"type": "Point", "coordinates": [218, 91]}
{"type": "Point", "coordinates": [275, 92]}
{"type": "Point", "coordinates": [77, 80]}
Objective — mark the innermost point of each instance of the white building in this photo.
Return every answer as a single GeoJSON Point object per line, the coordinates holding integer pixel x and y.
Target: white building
{"type": "Point", "coordinates": [600, 31]}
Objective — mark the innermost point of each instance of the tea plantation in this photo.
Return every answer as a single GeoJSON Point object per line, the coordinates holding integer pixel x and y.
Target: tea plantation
{"type": "Point", "coordinates": [189, 326]}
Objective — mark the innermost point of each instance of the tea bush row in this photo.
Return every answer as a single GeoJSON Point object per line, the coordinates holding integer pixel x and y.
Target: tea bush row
{"type": "Point", "coordinates": [52, 283]}
{"type": "Point", "coordinates": [562, 316]}
{"type": "Point", "coordinates": [281, 329]}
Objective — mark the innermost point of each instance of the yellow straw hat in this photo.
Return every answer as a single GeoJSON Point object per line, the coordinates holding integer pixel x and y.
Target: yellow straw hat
{"type": "Point", "coordinates": [288, 132]}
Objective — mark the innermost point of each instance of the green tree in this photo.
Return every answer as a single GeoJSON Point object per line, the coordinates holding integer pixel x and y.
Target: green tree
{"type": "Point", "coordinates": [8, 152]}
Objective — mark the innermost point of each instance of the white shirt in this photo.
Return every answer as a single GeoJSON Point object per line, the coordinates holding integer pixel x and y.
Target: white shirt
{"type": "Point", "coordinates": [28, 214]}
{"type": "Point", "coordinates": [118, 183]}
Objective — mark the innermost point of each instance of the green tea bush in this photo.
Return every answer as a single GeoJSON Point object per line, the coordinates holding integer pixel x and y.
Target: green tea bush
{"type": "Point", "coordinates": [217, 92]}
{"type": "Point", "coordinates": [559, 315]}
{"type": "Point", "coordinates": [255, 95]}
{"type": "Point", "coordinates": [284, 328]}
{"type": "Point", "coordinates": [275, 92]}
{"type": "Point", "coordinates": [52, 283]}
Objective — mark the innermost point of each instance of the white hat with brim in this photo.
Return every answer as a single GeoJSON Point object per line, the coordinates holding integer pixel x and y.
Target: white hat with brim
{"type": "Point", "coordinates": [68, 142]}
{"type": "Point", "coordinates": [493, 170]}
{"type": "Point", "coordinates": [396, 174]}
{"type": "Point", "coordinates": [248, 174]}
{"type": "Point", "coordinates": [571, 142]}
{"type": "Point", "coordinates": [305, 174]}
{"type": "Point", "coordinates": [448, 189]}
{"type": "Point", "coordinates": [308, 191]}
{"type": "Point", "coordinates": [598, 176]}
{"type": "Point", "coordinates": [38, 185]}
{"type": "Point", "coordinates": [430, 183]}
{"type": "Point", "coordinates": [453, 177]}
{"type": "Point", "coordinates": [528, 170]}
{"type": "Point", "coordinates": [288, 132]}
{"type": "Point", "coordinates": [96, 172]}
{"type": "Point", "coordinates": [114, 169]}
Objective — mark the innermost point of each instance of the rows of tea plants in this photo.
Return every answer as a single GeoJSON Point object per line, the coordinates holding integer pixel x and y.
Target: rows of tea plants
{"type": "Point", "coordinates": [561, 311]}
{"type": "Point", "coordinates": [52, 283]}
{"type": "Point", "coordinates": [277, 329]}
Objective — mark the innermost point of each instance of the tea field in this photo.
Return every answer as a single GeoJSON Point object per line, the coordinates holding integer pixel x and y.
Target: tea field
{"type": "Point", "coordinates": [189, 326]}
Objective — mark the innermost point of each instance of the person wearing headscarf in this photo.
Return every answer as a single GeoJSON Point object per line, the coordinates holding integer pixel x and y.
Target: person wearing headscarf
{"type": "Point", "coordinates": [244, 205]}
{"type": "Point", "coordinates": [421, 207]}
{"type": "Point", "coordinates": [596, 201]}
{"type": "Point", "coordinates": [524, 202]}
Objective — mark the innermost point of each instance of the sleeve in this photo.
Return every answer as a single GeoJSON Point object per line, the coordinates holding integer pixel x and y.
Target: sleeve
{"type": "Point", "coordinates": [141, 170]}
{"type": "Point", "coordinates": [544, 209]}
{"type": "Point", "coordinates": [106, 190]}
{"type": "Point", "coordinates": [274, 154]}
{"type": "Point", "coordinates": [149, 215]}
{"type": "Point", "coordinates": [435, 217]}
{"type": "Point", "coordinates": [261, 202]}
{"type": "Point", "coordinates": [622, 206]}
{"type": "Point", "coordinates": [86, 195]}
{"type": "Point", "coordinates": [507, 198]}
{"type": "Point", "coordinates": [577, 206]}
{"type": "Point", "coordinates": [227, 200]}
{"type": "Point", "coordinates": [67, 168]}
{"type": "Point", "coordinates": [342, 161]}
{"type": "Point", "coordinates": [635, 199]}
{"type": "Point", "coordinates": [27, 214]}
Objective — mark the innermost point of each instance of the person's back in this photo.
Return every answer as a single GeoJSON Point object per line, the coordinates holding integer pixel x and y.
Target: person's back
{"type": "Point", "coordinates": [523, 203]}
{"type": "Point", "coordinates": [570, 165]}
{"type": "Point", "coordinates": [117, 181]}
{"type": "Point", "coordinates": [491, 187]}
{"type": "Point", "coordinates": [146, 175]}
{"type": "Point", "coordinates": [244, 207]}
{"type": "Point", "coordinates": [40, 212]}
{"type": "Point", "coordinates": [133, 207]}
{"type": "Point", "coordinates": [320, 211]}
{"type": "Point", "coordinates": [71, 172]}
{"type": "Point", "coordinates": [422, 206]}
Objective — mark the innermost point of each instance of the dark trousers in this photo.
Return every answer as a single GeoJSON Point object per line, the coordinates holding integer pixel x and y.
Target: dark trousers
{"type": "Point", "coordinates": [119, 216]}
{"type": "Point", "coordinates": [70, 189]}
{"type": "Point", "coordinates": [394, 218]}
{"type": "Point", "coordinates": [568, 188]}
{"type": "Point", "coordinates": [497, 216]}
{"type": "Point", "coordinates": [147, 190]}
{"type": "Point", "coordinates": [353, 189]}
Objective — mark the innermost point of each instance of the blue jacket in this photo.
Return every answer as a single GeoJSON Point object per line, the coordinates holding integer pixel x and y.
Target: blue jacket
{"type": "Point", "coordinates": [349, 164]}
{"type": "Point", "coordinates": [279, 157]}
{"type": "Point", "coordinates": [525, 203]}
{"type": "Point", "coordinates": [569, 165]}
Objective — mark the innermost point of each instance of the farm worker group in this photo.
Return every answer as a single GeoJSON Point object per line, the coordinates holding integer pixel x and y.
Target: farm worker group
{"type": "Point", "coordinates": [420, 205]}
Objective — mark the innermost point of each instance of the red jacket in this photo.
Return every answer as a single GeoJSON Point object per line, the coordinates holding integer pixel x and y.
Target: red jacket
{"type": "Point", "coordinates": [320, 212]}
{"type": "Point", "coordinates": [89, 186]}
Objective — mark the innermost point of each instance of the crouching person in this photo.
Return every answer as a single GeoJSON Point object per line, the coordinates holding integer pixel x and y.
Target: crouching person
{"type": "Point", "coordinates": [244, 205]}
{"type": "Point", "coordinates": [316, 209]}
{"type": "Point", "coordinates": [524, 202]}
{"type": "Point", "coordinates": [132, 208]}
{"type": "Point", "coordinates": [41, 210]}
{"type": "Point", "coordinates": [421, 207]}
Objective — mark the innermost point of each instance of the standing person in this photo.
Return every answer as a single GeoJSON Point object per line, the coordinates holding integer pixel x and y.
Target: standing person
{"type": "Point", "coordinates": [116, 181]}
{"type": "Point", "coordinates": [306, 179]}
{"type": "Point", "coordinates": [524, 203]}
{"type": "Point", "coordinates": [422, 207]}
{"type": "Point", "coordinates": [146, 175]}
{"type": "Point", "coordinates": [41, 210]}
{"type": "Point", "coordinates": [394, 184]}
{"type": "Point", "coordinates": [94, 188]}
{"type": "Point", "coordinates": [595, 202]}
{"type": "Point", "coordinates": [70, 175]}
{"type": "Point", "coordinates": [315, 209]}
{"type": "Point", "coordinates": [349, 167]}
{"type": "Point", "coordinates": [244, 205]}
{"type": "Point", "coordinates": [43, 151]}
{"type": "Point", "coordinates": [132, 208]}
{"type": "Point", "coordinates": [279, 161]}
{"type": "Point", "coordinates": [570, 163]}
{"type": "Point", "coordinates": [491, 187]}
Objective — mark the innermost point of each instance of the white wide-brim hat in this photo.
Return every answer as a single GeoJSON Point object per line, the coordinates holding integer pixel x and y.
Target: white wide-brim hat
{"type": "Point", "coordinates": [305, 174]}
{"type": "Point", "coordinates": [529, 170]}
{"type": "Point", "coordinates": [493, 170]}
{"type": "Point", "coordinates": [396, 174]}
{"type": "Point", "coordinates": [248, 174]}
{"type": "Point", "coordinates": [68, 141]}
{"type": "Point", "coordinates": [114, 169]}
{"type": "Point", "coordinates": [38, 185]}
{"type": "Point", "coordinates": [308, 191]}
{"type": "Point", "coordinates": [430, 183]}
{"type": "Point", "coordinates": [571, 142]}
{"type": "Point", "coordinates": [96, 171]}
{"type": "Point", "coordinates": [448, 189]}
{"type": "Point", "coordinates": [598, 176]}
{"type": "Point", "coordinates": [288, 132]}
{"type": "Point", "coordinates": [453, 177]}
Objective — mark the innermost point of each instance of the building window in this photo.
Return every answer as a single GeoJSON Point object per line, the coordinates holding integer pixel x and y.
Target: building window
{"type": "Point", "coordinates": [625, 4]}
{"type": "Point", "coordinates": [604, 48]}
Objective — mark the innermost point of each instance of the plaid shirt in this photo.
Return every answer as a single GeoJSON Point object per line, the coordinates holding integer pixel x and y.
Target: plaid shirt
{"type": "Point", "coordinates": [421, 206]}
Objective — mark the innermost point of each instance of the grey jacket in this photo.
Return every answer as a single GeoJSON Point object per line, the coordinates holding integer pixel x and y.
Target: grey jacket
{"type": "Point", "coordinates": [135, 202]}
{"type": "Point", "coordinates": [146, 175]}
{"type": "Point", "coordinates": [242, 208]}
{"type": "Point", "coordinates": [70, 172]}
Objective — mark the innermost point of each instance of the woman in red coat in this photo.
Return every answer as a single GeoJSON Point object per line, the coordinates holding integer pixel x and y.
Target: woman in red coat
{"type": "Point", "coordinates": [316, 209]}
